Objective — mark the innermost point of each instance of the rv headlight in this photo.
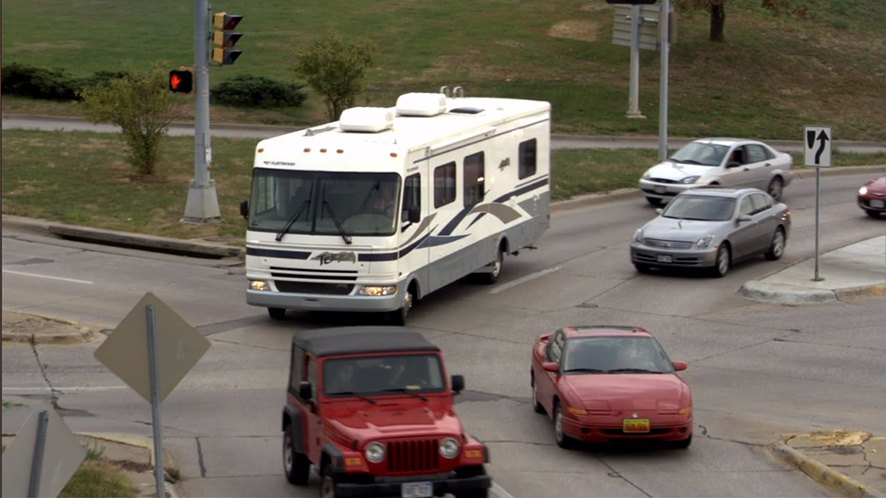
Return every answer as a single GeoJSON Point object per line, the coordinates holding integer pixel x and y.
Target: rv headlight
{"type": "Point", "coordinates": [375, 452]}
{"type": "Point", "coordinates": [449, 448]}
{"type": "Point", "coordinates": [378, 290]}
{"type": "Point", "coordinates": [259, 285]}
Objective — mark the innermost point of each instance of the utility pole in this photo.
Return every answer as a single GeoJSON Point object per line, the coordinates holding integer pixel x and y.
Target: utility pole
{"type": "Point", "coordinates": [202, 205]}
{"type": "Point", "coordinates": [664, 25]}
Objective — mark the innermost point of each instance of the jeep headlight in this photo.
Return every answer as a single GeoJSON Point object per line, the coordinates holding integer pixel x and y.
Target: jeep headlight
{"type": "Point", "coordinates": [375, 452]}
{"type": "Point", "coordinates": [690, 179]}
{"type": "Point", "coordinates": [704, 242]}
{"type": "Point", "coordinates": [449, 448]}
{"type": "Point", "coordinates": [377, 290]}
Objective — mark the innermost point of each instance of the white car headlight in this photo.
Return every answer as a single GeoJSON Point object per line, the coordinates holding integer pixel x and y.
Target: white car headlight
{"type": "Point", "coordinates": [863, 190]}
{"type": "Point", "coordinates": [638, 235]}
{"type": "Point", "coordinates": [645, 175]}
{"type": "Point", "coordinates": [449, 448]}
{"type": "Point", "coordinates": [690, 179]}
{"type": "Point", "coordinates": [704, 242]}
{"type": "Point", "coordinates": [375, 452]}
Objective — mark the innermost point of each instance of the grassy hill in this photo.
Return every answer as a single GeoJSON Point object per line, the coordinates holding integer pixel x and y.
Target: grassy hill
{"type": "Point", "coordinates": [772, 76]}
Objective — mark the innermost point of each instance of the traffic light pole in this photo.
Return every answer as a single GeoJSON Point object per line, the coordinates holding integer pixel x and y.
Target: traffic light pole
{"type": "Point", "coordinates": [202, 205]}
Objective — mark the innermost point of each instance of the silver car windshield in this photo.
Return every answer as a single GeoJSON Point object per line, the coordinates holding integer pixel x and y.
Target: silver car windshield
{"type": "Point", "coordinates": [701, 208]}
{"type": "Point", "coordinates": [705, 154]}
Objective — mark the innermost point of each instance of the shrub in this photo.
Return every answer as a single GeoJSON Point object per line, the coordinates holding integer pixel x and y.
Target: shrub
{"type": "Point", "coordinates": [38, 83]}
{"type": "Point", "coordinates": [257, 91]}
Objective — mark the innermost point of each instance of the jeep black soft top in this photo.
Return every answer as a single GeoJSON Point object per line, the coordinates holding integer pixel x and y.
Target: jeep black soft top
{"type": "Point", "coordinates": [364, 339]}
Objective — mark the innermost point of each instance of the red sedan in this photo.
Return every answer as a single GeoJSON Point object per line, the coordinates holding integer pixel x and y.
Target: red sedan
{"type": "Point", "coordinates": [610, 383]}
{"type": "Point", "coordinates": [872, 197]}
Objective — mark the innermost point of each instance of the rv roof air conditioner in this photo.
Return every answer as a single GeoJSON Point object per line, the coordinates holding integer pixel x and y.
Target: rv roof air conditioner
{"type": "Point", "coordinates": [421, 104]}
{"type": "Point", "coordinates": [366, 119]}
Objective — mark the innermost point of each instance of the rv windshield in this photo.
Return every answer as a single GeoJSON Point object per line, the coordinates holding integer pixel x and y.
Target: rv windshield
{"type": "Point", "coordinates": [324, 203]}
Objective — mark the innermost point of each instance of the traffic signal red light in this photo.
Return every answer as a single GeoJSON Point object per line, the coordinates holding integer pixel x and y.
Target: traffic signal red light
{"type": "Point", "coordinates": [224, 37]}
{"type": "Point", "coordinates": [181, 80]}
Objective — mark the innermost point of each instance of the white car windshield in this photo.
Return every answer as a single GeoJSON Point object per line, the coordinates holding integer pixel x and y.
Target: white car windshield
{"type": "Point", "coordinates": [705, 154]}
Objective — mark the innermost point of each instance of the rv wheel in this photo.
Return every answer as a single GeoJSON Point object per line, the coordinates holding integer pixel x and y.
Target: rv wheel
{"type": "Point", "coordinates": [398, 317]}
{"type": "Point", "coordinates": [492, 277]}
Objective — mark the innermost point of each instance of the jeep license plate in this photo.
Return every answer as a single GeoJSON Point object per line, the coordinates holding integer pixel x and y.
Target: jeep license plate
{"type": "Point", "coordinates": [416, 489]}
{"type": "Point", "coordinates": [635, 425]}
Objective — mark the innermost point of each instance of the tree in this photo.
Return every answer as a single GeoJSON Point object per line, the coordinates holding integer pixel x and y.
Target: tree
{"type": "Point", "coordinates": [141, 105]}
{"type": "Point", "coordinates": [717, 11]}
{"type": "Point", "coordinates": [335, 69]}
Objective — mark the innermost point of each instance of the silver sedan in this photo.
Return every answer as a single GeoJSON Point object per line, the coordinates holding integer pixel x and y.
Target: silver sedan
{"type": "Point", "coordinates": [727, 162]}
{"type": "Point", "coordinates": [711, 228]}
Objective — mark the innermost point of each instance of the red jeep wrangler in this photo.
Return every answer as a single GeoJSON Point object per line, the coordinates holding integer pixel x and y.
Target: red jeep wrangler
{"type": "Point", "coordinates": [371, 409]}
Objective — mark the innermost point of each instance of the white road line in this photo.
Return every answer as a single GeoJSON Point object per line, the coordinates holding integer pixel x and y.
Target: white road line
{"type": "Point", "coordinates": [523, 280]}
{"type": "Point", "coordinates": [37, 275]}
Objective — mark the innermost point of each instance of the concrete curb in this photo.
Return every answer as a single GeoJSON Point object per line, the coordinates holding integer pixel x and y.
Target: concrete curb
{"type": "Point", "coordinates": [825, 475]}
{"type": "Point", "coordinates": [19, 327]}
{"type": "Point", "coordinates": [785, 293]}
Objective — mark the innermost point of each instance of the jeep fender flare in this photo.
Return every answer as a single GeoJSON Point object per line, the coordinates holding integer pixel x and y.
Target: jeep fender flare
{"type": "Point", "coordinates": [292, 421]}
{"type": "Point", "coordinates": [331, 460]}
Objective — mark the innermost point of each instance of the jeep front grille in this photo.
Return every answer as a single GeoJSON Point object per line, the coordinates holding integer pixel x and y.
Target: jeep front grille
{"type": "Point", "coordinates": [421, 455]}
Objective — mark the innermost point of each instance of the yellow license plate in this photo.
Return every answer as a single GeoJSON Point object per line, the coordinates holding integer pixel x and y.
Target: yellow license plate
{"type": "Point", "coordinates": [634, 425]}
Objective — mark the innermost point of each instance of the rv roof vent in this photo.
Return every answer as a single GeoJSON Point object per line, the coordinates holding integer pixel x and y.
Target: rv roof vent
{"type": "Point", "coordinates": [366, 119]}
{"type": "Point", "coordinates": [466, 110]}
{"type": "Point", "coordinates": [421, 104]}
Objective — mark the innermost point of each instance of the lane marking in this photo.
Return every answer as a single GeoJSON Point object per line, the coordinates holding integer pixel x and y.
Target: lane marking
{"type": "Point", "coordinates": [37, 275]}
{"type": "Point", "coordinates": [523, 280]}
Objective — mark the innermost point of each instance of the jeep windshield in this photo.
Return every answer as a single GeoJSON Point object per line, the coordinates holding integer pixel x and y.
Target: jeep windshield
{"type": "Point", "coordinates": [323, 203]}
{"type": "Point", "coordinates": [408, 374]}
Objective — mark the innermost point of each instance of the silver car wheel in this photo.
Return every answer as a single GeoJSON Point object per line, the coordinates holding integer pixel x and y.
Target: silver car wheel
{"type": "Point", "coordinates": [723, 261]}
{"type": "Point", "coordinates": [775, 188]}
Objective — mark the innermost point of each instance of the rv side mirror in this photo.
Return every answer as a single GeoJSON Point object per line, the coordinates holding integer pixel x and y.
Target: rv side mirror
{"type": "Point", "coordinates": [244, 209]}
{"type": "Point", "coordinates": [414, 215]}
{"type": "Point", "coordinates": [458, 383]}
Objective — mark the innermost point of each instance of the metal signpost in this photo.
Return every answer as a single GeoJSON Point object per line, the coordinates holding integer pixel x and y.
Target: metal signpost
{"type": "Point", "coordinates": [42, 458]}
{"type": "Point", "coordinates": [817, 152]}
{"type": "Point", "coordinates": [151, 350]}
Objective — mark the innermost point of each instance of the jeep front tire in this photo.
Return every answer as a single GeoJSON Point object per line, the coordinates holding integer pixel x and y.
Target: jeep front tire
{"type": "Point", "coordinates": [296, 465]}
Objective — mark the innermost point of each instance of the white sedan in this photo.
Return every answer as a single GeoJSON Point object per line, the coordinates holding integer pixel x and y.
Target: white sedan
{"type": "Point", "coordinates": [727, 162]}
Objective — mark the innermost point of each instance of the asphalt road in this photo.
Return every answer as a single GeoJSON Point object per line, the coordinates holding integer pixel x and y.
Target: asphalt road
{"type": "Point", "coordinates": [758, 370]}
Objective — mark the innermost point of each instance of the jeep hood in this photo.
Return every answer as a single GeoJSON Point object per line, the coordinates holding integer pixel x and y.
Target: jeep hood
{"type": "Point", "coordinates": [387, 419]}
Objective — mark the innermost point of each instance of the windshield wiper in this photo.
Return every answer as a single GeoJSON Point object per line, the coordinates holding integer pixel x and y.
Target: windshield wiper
{"type": "Point", "coordinates": [341, 230]}
{"type": "Point", "coordinates": [406, 391]}
{"type": "Point", "coordinates": [291, 220]}
{"type": "Point", "coordinates": [589, 370]}
{"type": "Point", "coordinates": [634, 370]}
{"type": "Point", "coordinates": [352, 393]}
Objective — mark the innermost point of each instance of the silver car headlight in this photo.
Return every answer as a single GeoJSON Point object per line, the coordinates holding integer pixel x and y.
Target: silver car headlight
{"type": "Point", "coordinates": [375, 452]}
{"type": "Point", "coordinates": [863, 190]}
{"type": "Point", "coordinates": [704, 242]}
{"type": "Point", "coordinates": [449, 448]}
{"type": "Point", "coordinates": [690, 179]}
{"type": "Point", "coordinates": [638, 235]}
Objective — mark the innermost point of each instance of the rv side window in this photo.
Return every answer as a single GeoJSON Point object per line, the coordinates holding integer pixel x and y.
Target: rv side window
{"type": "Point", "coordinates": [411, 195]}
{"type": "Point", "coordinates": [444, 184]}
{"type": "Point", "coordinates": [473, 179]}
{"type": "Point", "coordinates": [527, 158]}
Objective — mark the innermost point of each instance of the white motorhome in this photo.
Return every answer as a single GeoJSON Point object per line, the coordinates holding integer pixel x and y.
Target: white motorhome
{"type": "Point", "coordinates": [377, 210]}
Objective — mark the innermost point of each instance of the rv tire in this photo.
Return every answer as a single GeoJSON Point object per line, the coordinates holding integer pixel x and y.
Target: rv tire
{"type": "Point", "coordinates": [277, 313]}
{"type": "Point", "coordinates": [492, 277]}
{"type": "Point", "coordinates": [398, 316]}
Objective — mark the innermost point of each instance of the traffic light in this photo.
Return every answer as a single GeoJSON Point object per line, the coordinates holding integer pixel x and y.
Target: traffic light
{"type": "Point", "coordinates": [224, 38]}
{"type": "Point", "coordinates": [181, 80]}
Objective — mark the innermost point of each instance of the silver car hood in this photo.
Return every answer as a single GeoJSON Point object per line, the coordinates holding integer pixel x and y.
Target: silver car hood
{"type": "Point", "coordinates": [669, 170]}
{"type": "Point", "coordinates": [674, 229]}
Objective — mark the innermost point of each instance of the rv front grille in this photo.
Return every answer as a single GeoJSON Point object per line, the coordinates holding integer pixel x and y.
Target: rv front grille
{"type": "Point", "coordinates": [331, 289]}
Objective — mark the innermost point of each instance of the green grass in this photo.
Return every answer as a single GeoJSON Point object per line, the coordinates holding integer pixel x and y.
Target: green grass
{"type": "Point", "coordinates": [774, 74]}
{"type": "Point", "coordinates": [81, 178]}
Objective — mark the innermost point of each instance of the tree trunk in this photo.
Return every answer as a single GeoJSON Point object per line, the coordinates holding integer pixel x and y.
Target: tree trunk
{"type": "Point", "coordinates": [718, 21]}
